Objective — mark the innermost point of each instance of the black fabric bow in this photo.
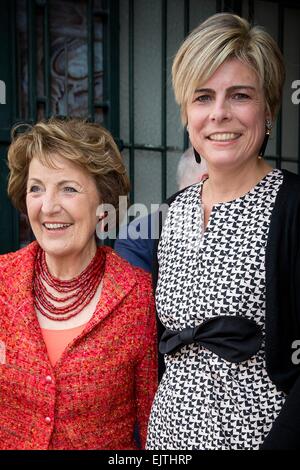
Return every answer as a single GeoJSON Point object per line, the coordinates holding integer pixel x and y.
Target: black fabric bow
{"type": "Point", "coordinates": [233, 338]}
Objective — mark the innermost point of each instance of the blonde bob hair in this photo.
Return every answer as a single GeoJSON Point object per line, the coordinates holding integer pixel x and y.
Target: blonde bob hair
{"type": "Point", "coordinates": [221, 37]}
{"type": "Point", "coordinates": [84, 143]}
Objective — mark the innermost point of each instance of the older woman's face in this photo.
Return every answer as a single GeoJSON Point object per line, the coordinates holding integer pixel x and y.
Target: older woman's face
{"type": "Point", "coordinates": [226, 117]}
{"type": "Point", "coordinates": [61, 205]}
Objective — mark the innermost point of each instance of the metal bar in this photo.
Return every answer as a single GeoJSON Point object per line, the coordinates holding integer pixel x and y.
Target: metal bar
{"type": "Point", "coordinates": [219, 7]}
{"type": "Point", "coordinates": [105, 62]}
{"type": "Point", "coordinates": [32, 67]}
{"type": "Point", "coordinates": [14, 62]}
{"type": "Point", "coordinates": [91, 61]}
{"type": "Point", "coordinates": [131, 99]}
{"type": "Point", "coordinates": [284, 159]}
{"type": "Point", "coordinates": [66, 77]}
{"type": "Point", "coordinates": [102, 13]}
{"type": "Point", "coordinates": [164, 99]}
{"type": "Point", "coordinates": [232, 6]}
{"type": "Point", "coordinates": [279, 119]}
{"type": "Point", "coordinates": [236, 7]}
{"type": "Point", "coordinates": [102, 104]}
{"type": "Point", "coordinates": [5, 135]}
{"type": "Point", "coordinates": [18, 74]}
{"type": "Point", "coordinates": [114, 65]}
{"type": "Point", "coordinates": [299, 130]}
{"type": "Point", "coordinates": [111, 78]}
{"type": "Point", "coordinates": [251, 12]}
{"type": "Point", "coordinates": [227, 5]}
{"type": "Point", "coordinates": [186, 17]}
{"type": "Point", "coordinates": [186, 22]}
{"type": "Point", "coordinates": [153, 148]}
{"type": "Point", "coordinates": [47, 73]}
{"type": "Point", "coordinates": [285, 3]}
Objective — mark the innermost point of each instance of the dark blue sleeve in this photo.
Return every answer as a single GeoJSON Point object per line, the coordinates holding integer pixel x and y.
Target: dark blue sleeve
{"type": "Point", "coordinates": [137, 251]}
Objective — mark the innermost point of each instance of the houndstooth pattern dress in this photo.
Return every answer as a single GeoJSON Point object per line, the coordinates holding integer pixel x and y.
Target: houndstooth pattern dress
{"type": "Point", "coordinates": [204, 401]}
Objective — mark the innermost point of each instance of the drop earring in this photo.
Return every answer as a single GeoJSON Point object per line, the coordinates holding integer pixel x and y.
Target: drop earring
{"type": "Point", "coordinates": [197, 156]}
{"type": "Point", "coordinates": [266, 138]}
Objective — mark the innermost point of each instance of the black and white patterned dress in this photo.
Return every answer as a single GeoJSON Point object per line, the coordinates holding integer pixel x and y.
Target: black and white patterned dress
{"type": "Point", "coordinates": [204, 401]}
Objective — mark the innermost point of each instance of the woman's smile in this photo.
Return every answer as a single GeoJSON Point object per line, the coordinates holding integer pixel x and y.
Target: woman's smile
{"type": "Point", "coordinates": [224, 136]}
{"type": "Point", "coordinates": [58, 227]}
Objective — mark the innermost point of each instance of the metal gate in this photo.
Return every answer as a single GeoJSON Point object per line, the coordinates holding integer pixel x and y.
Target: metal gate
{"type": "Point", "coordinates": [150, 34]}
{"type": "Point", "coordinates": [62, 58]}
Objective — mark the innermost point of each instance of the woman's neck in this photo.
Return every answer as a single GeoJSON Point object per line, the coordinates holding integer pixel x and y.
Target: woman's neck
{"type": "Point", "coordinates": [227, 185]}
{"type": "Point", "coordinates": [69, 266]}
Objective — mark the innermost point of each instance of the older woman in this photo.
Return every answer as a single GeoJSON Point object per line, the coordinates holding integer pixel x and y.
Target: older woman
{"type": "Point", "coordinates": [76, 327]}
{"type": "Point", "coordinates": [229, 256]}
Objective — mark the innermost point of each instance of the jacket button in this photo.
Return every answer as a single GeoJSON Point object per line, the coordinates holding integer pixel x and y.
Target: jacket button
{"type": "Point", "coordinates": [49, 379]}
{"type": "Point", "coordinates": [48, 420]}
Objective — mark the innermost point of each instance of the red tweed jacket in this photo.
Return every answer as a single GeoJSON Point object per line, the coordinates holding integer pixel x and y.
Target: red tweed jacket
{"type": "Point", "coordinates": [104, 381]}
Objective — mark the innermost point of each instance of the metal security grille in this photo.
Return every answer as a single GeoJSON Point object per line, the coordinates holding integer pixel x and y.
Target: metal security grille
{"type": "Point", "coordinates": [64, 61]}
{"type": "Point", "coordinates": [150, 34]}
{"type": "Point", "coordinates": [65, 51]}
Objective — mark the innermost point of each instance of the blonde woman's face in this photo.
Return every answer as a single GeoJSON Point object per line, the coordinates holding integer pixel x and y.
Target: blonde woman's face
{"type": "Point", "coordinates": [226, 117]}
{"type": "Point", "coordinates": [61, 205]}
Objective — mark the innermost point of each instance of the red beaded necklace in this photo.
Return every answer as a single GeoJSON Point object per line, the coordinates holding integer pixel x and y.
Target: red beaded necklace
{"type": "Point", "coordinates": [80, 290]}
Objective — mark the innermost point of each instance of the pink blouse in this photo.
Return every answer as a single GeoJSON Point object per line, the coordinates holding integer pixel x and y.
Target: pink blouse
{"type": "Point", "coordinates": [57, 340]}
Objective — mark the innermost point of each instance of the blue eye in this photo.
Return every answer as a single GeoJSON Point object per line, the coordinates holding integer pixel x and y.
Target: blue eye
{"type": "Point", "coordinates": [34, 189]}
{"type": "Point", "coordinates": [69, 189]}
{"type": "Point", "coordinates": [240, 96]}
{"type": "Point", "coordinates": [203, 98]}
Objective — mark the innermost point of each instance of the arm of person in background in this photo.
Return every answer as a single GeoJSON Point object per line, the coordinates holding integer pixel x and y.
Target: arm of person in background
{"type": "Point", "coordinates": [138, 250]}
{"type": "Point", "coordinates": [134, 243]}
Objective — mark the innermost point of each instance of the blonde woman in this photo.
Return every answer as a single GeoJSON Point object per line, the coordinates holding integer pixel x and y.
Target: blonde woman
{"type": "Point", "coordinates": [76, 320]}
{"type": "Point", "coordinates": [228, 260]}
